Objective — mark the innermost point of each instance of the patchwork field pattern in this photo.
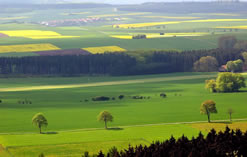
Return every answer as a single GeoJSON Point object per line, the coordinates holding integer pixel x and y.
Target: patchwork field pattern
{"type": "Point", "coordinates": [27, 48]}
{"type": "Point", "coordinates": [138, 25]}
{"type": "Point", "coordinates": [167, 35]}
{"type": "Point", "coordinates": [36, 34]}
{"type": "Point", "coordinates": [103, 49]}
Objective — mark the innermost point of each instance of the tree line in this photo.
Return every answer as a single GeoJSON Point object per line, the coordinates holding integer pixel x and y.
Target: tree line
{"type": "Point", "coordinates": [228, 143]}
{"type": "Point", "coordinates": [154, 62]}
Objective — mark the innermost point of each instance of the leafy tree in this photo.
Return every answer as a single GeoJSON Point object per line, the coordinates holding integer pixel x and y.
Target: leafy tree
{"type": "Point", "coordinates": [229, 82]}
{"type": "Point", "coordinates": [208, 107]}
{"type": "Point", "coordinates": [227, 42]}
{"type": "Point", "coordinates": [206, 64]}
{"type": "Point", "coordinates": [211, 85]}
{"type": "Point", "coordinates": [230, 112]}
{"type": "Point", "coordinates": [241, 45]}
{"type": "Point", "coordinates": [244, 54]}
{"type": "Point", "coordinates": [235, 66]}
{"type": "Point", "coordinates": [40, 121]}
{"type": "Point", "coordinates": [105, 117]}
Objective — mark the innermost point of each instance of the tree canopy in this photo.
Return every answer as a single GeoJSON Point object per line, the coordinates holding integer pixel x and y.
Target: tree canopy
{"type": "Point", "coordinates": [208, 107]}
{"type": "Point", "coordinates": [206, 64]}
{"type": "Point", "coordinates": [105, 117]}
{"type": "Point", "coordinates": [235, 66]}
{"type": "Point", "coordinates": [226, 82]}
{"type": "Point", "coordinates": [40, 121]}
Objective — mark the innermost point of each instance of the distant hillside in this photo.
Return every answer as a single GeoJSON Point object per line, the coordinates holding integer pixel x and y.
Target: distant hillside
{"type": "Point", "coordinates": [188, 7]}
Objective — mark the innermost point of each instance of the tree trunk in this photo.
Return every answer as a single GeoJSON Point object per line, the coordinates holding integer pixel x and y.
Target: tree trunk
{"type": "Point", "coordinates": [105, 124]}
{"type": "Point", "coordinates": [208, 117]}
{"type": "Point", "coordinates": [230, 117]}
{"type": "Point", "coordinates": [40, 129]}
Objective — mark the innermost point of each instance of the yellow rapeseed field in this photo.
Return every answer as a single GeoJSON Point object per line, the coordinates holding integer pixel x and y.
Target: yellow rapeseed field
{"type": "Point", "coordinates": [27, 48]}
{"type": "Point", "coordinates": [167, 35]}
{"type": "Point", "coordinates": [220, 126]}
{"type": "Point", "coordinates": [138, 25]}
{"type": "Point", "coordinates": [172, 17]}
{"type": "Point", "coordinates": [233, 27]}
{"type": "Point", "coordinates": [35, 34]}
{"type": "Point", "coordinates": [13, 18]}
{"type": "Point", "coordinates": [103, 49]}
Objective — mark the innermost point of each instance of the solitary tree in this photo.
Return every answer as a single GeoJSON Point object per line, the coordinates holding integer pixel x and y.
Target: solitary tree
{"type": "Point", "coordinates": [105, 117]}
{"type": "Point", "coordinates": [230, 112]}
{"type": "Point", "coordinates": [40, 121]}
{"type": "Point", "coordinates": [229, 82]}
{"type": "Point", "coordinates": [208, 107]}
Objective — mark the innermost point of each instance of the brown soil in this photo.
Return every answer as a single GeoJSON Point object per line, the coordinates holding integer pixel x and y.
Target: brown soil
{"type": "Point", "coordinates": [3, 35]}
{"type": "Point", "coordinates": [63, 52]}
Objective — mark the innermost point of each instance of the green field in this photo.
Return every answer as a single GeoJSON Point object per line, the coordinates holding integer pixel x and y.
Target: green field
{"type": "Point", "coordinates": [71, 119]}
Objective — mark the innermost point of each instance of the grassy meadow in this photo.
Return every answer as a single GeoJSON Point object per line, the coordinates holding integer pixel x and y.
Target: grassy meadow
{"type": "Point", "coordinates": [73, 127]}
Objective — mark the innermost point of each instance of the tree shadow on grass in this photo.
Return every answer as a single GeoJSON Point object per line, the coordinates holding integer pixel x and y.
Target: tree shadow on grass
{"type": "Point", "coordinates": [50, 133]}
{"type": "Point", "coordinates": [226, 122]}
{"type": "Point", "coordinates": [115, 129]}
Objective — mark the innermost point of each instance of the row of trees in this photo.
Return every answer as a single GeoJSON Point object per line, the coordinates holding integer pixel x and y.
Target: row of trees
{"type": "Point", "coordinates": [154, 62]}
{"type": "Point", "coordinates": [228, 143]}
{"type": "Point", "coordinates": [210, 64]}
{"type": "Point", "coordinates": [40, 121]}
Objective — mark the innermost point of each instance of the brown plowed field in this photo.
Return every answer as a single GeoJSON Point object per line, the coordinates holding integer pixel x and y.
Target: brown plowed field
{"type": "Point", "coordinates": [3, 35]}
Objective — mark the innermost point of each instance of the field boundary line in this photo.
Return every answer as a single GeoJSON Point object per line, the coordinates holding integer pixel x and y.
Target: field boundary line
{"type": "Point", "coordinates": [110, 83]}
{"type": "Point", "coordinates": [129, 126]}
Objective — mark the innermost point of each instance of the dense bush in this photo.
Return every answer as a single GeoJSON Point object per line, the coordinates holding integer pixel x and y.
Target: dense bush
{"type": "Point", "coordinates": [228, 143]}
{"type": "Point", "coordinates": [226, 82]}
{"type": "Point", "coordinates": [120, 97]}
{"type": "Point", "coordinates": [139, 36]}
{"type": "Point", "coordinates": [101, 98]}
{"type": "Point", "coordinates": [163, 95]}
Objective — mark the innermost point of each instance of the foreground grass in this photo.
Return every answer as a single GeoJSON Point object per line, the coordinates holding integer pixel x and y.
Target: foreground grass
{"type": "Point", "coordinates": [76, 143]}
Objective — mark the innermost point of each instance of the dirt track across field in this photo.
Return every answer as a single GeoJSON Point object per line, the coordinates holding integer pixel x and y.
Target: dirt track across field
{"type": "Point", "coordinates": [97, 84]}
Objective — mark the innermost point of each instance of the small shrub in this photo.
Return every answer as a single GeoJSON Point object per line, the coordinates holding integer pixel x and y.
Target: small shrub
{"type": "Point", "coordinates": [86, 100]}
{"type": "Point", "coordinates": [162, 33]}
{"type": "Point", "coordinates": [139, 36]}
{"type": "Point", "coordinates": [113, 98]}
{"type": "Point", "coordinates": [137, 97]}
{"type": "Point", "coordinates": [120, 97]}
{"type": "Point", "coordinates": [163, 95]}
{"type": "Point", "coordinates": [0, 101]}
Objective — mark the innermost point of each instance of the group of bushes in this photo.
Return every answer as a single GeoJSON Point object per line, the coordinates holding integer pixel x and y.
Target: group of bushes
{"type": "Point", "coordinates": [228, 143]}
{"type": "Point", "coordinates": [120, 97]}
{"type": "Point", "coordinates": [24, 101]}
